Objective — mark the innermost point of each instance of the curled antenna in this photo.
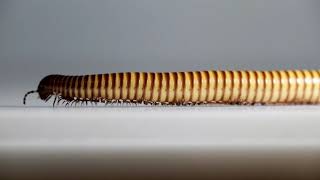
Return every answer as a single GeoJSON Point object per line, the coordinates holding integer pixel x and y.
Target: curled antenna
{"type": "Point", "coordinates": [25, 96]}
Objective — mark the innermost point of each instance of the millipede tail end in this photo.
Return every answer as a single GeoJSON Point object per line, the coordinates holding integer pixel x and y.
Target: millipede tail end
{"type": "Point", "coordinates": [25, 96]}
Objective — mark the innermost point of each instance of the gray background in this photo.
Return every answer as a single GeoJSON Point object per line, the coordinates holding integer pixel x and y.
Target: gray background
{"type": "Point", "coordinates": [41, 37]}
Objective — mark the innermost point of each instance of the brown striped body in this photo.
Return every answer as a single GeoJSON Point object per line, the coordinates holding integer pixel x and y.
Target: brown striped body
{"type": "Point", "coordinates": [267, 87]}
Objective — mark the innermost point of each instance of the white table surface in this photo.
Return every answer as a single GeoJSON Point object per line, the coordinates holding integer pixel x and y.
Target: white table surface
{"type": "Point", "coordinates": [160, 142]}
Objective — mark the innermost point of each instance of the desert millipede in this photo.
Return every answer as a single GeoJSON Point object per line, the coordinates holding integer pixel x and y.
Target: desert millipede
{"type": "Point", "coordinates": [183, 88]}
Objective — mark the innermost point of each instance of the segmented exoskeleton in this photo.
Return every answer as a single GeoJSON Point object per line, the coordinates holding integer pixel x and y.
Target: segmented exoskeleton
{"type": "Point", "coordinates": [183, 88]}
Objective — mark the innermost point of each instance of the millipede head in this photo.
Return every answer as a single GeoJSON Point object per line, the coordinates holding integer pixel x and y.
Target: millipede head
{"type": "Point", "coordinates": [43, 90]}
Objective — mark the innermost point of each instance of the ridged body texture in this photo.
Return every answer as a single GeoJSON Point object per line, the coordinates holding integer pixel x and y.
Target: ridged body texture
{"type": "Point", "coordinates": [270, 87]}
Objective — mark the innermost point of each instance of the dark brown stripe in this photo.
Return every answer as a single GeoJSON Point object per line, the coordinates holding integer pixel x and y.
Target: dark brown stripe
{"type": "Point", "coordinates": [215, 73]}
{"type": "Point", "coordinates": [85, 88]}
{"type": "Point", "coordinates": [79, 85]}
{"type": "Point", "coordinates": [248, 86]}
{"type": "Point", "coordinates": [152, 75]}
{"type": "Point", "coordinates": [318, 98]}
{"type": "Point", "coordinates": [129, 84]}
{"type": "Point", "coordinates": [69, 92]}
{"type": "Point", "coordinates": [73, 87]}
{"type": "Point", "coordinates": [99, 85]}
{"type": "Point", "coordinates": [207, 77]}
{"type": "Point", "coordinates": [62, 81]}
{"type": "Point", "coordinates": [232, 85]}
{"type": "Point", "coordinates": [255, 75]}
{"type": "Point", "coordinates": [191, 84]}
{"type": "Point", "coordinates": [109, 81]}
{"type": "Point", "coordinates": [280, 82]}
{"type": "Point", "coordinates": [272, 86]}
{"type": "Point", "coordinates": [289, 86]}
{"type": "Point", "coordinates": [58, 85]}
{"type": "Point", "coordinates": [121, 84]}
{"type": "Point", "coordinates": [137, 75]}
{"type": "Point", "coordinates": [67, 86]}
{"type": "Point", "coordinates": [160, 86]}
{"type": "Point", "coordinates": [106, 78]}
{"type": "Point", "coordinates": [54, 77]}
{"type": "Point", "coordinates": [264, 85]}
{"type": "Point", "coordinates": [114, 85]}
{"type": "Point", "coordinates": [83, 80]}
{"type": "Point", "coordinates": [297, 86]}
{"type": "Point", "coordinates": [199, 85]}
{"type": "Point", "coordinates": [194, 76]}
{"type": "Point", "coordinates": [175, 80]}
{"type": "Point", "coordinates": [86, 77]}
{"type": "Point", "coordinates": [77, 95]}
{"type": "Point", "coordinates": [240, 85]}
{"type": "Point", "coordinates": [168, 83]}
{"type": "Point", "coordinates": [50, 83]}
{"type": "Point", "coordinates": [93, 79]}
{"type": "Point", "coordinates": [304, 85]}
{"type": "Point", "coordinates": [224, 84]}
{"type": "Point", "coordinates": [88, 86]}
{"type": "Point", "coordinates": [114, 88]}
{"type": "Point", "coordinates": [54, 84]}
{"type": "Point", "coordinates": [183, 85]}
{"type": "Point", "coordinates": [59, 80]}
{"type": "Point", "coordinates": [144, 85]}
{"type": "Point", "coordinates": [312, 86]}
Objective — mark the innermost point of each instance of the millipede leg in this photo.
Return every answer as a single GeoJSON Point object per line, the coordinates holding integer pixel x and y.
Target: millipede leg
{"type": "Point", "coordinates": [54, 101]}
{"type": "Point", "coordinates": [72, 102]}
{"type": "Point", "coordinates": [59, 99]}
{"type": "Point", "coordinates": [67, 104]}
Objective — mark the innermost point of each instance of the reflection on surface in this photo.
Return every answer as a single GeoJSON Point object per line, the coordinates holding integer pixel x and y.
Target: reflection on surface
{"type": "Point", "coordinates": [224, 142]}
{"type": "Point", "coordinates": [178, 163]}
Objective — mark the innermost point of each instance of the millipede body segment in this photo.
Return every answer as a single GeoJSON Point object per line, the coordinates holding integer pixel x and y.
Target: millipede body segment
{"type": "Point", "coordinates": [198, 87]}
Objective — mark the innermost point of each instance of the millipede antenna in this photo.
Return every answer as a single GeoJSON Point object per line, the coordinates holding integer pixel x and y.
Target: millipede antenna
{"type": "Point", "coordinates": [25, 96]}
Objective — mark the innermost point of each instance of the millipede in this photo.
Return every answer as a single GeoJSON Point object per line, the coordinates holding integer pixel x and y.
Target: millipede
{"type": "Point", "coordinates": [247, 87]}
